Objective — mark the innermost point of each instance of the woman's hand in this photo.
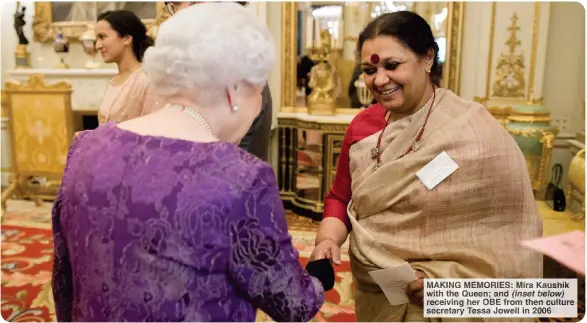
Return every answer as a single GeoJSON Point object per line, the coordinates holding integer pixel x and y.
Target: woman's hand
{"type": "Point", "coordinates": [328, 249]}
{"type": "Point", "coordinates": [415, 290]}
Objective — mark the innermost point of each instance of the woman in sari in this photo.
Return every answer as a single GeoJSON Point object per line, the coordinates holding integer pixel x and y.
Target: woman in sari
{"type": "Point", "coordinates": [164, 218]}
{"type": "Point", "coordinates": [122, 39]}
{"type": "Point", "coordinates": [466, 224]}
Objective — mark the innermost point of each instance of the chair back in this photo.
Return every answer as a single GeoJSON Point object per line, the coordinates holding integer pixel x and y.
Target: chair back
{"type": "Point", "coordinates": [41, 127]}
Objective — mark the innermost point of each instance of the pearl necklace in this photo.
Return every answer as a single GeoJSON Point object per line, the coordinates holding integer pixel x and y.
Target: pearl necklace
{"type": "Point", "coordinates": [194, 114]}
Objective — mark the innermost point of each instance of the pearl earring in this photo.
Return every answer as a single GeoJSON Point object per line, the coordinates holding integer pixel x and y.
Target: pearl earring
{"type": "Point", "coordinates": [234, 108]}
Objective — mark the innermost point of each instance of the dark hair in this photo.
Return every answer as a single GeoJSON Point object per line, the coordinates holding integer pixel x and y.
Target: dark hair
{"type": "Point", "coordinates": [409, 29]}
{"type": "Point", "coordinates": [126, 23]}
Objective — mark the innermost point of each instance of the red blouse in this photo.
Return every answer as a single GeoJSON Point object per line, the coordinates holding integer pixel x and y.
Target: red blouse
{"type": "Point", "coordinates": [366, 123]}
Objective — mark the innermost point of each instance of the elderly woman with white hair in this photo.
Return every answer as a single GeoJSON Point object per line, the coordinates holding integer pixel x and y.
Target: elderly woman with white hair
{"type": "Point", "coordinates": [163, 218]}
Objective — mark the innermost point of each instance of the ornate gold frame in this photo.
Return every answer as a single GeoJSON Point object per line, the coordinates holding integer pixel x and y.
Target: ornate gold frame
{"type": "Point", "coordinates": [451, 70]}
{"type": "Point", "coordinates": [44, 28]}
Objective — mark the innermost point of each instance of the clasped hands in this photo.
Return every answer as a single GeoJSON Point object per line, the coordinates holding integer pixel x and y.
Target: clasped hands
{"type": "Point", "coordinates": [328, 249]}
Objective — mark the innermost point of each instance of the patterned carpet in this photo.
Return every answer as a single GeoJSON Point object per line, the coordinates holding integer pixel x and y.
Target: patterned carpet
{"type": "Point", "coordinates": [26, 263]}
{"type": "Point", "coordinates": [27, 260]}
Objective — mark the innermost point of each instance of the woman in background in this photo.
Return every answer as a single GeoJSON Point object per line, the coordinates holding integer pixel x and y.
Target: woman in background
{"type": "Point", "coordinates": [122, 39]}
{"type": "Point", "coordinates": [464, 221]}
{"type": "Point", "coordinates": [163, 217]}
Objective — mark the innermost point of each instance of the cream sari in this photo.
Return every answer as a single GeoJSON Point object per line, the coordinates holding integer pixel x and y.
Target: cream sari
{"type": "Point", "coordinates": [468, 226]}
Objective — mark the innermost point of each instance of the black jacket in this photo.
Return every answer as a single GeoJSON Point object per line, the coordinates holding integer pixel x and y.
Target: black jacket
{"type": "Point", "coordinates": [256, 141]}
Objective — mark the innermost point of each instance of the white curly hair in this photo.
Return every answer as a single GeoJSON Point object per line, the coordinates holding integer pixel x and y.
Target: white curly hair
{"type": "Point", "coordinates": [206, 48]}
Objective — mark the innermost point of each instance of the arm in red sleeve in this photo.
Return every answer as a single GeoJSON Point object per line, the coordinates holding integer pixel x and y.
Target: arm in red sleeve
{"type": "Point", "coordinates": [339, 196]}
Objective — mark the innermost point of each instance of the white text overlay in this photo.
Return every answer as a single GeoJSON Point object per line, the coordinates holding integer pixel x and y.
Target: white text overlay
{"type": "Point", "coordinates": [500, 298]}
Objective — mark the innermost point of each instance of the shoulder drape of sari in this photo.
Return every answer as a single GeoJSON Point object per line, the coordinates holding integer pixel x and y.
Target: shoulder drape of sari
{"type": "Point", "coordinates": [468, 226]}
{"type": "Point", "coordinates": [132, 99]}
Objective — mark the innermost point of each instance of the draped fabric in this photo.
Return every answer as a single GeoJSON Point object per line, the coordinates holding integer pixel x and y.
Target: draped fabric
{"type": "Point", "coordinates": [131, 99]}
{"type": "Point", "coordinates": [468, 226]}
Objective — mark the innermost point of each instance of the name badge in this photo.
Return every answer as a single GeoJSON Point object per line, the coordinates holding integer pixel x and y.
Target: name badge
{"type": "Point", "coordinates": [437, 170]}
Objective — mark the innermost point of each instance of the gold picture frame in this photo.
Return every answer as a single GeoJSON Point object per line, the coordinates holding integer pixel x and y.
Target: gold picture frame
{"type": "Point", "coordinates": [44, 28]}
{"type": "Point", "coordinates": [451, 68]}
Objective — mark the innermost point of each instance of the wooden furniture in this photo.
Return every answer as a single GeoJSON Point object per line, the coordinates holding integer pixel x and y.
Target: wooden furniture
{"type": "Point", "coordinates": [41, 129]}
{"type": "Point", "coordinates": [309, 147]}
{"type": "Point", "coordinates": [88, 88]}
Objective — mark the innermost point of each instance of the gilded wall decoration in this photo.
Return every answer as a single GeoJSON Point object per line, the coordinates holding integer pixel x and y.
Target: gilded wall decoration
{"type": "Point", "coordinates": [510, 79]}
{"type": "Point", "coordinates": [73, 17]}
{"type": "Point", "coordinates": [289, 57]}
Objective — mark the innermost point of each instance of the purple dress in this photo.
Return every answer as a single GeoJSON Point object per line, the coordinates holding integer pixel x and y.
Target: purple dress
{"type": "Point", "coordinates": [156, 229]}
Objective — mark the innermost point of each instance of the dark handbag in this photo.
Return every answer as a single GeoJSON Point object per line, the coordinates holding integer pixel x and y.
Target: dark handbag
{"type": "Point", "coordinates": [322, 269]}
{"type": "Point", "coordinates": [555, 196]}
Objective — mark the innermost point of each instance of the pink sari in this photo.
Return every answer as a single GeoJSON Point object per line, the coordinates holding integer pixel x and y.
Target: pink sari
{"type": "Point", "coordinates": [468, 226]}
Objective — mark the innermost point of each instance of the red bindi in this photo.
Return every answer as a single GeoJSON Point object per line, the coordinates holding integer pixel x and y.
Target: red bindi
{"type": "Point", "coordinates": [375, 59]}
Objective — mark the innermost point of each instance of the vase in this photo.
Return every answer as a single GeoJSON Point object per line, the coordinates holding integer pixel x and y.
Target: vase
{"type": "Point", "coordinates": [530, 126]}
{"type": "Point", "coordinates": [88, 41]}
{"type": "Point", "coordinates": [61, 47]}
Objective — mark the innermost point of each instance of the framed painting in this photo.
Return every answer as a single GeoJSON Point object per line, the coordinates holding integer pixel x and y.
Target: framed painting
{"type": "Point", "coordinates": [73, 18]}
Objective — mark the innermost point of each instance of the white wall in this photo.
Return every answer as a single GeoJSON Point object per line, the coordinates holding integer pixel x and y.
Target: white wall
{"type": "Point", "coordinates": [42, 54]}
{"type": "Point", "coordinates": [564, 73]}
{"type": "Point", "coordinates": [564, 76]}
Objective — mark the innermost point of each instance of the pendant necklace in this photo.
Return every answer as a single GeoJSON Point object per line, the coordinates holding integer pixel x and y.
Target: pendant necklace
{"type": "Point", "coordinates": [376, 152]}
{"type": "Point", "coordinates": [194, 114]}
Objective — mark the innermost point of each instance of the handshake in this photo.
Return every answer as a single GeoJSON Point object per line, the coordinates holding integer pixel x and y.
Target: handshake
{"type": "Point", "coordinates": [323, 271]}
